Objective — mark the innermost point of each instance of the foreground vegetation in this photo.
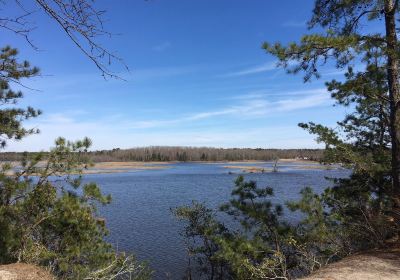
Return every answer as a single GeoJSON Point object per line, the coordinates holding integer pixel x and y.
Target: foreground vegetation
{"type": "Point", "coordinates": [357, 213]}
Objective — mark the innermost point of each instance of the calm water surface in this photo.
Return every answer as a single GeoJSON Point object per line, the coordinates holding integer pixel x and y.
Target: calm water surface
{"type": "Point", "coordinates": [139, 217]}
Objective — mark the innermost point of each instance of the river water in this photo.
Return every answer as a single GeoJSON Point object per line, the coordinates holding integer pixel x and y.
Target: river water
{"type": "Point", "coordinates": [139, 217]}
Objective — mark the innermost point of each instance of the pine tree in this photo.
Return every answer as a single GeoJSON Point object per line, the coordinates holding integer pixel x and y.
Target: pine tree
{"type": "Point", "coordinates": [375, 126]}
{"type": "Point", "coordinates": [47, 216]}
{"type": "Point", "coordinates": [11, 117]}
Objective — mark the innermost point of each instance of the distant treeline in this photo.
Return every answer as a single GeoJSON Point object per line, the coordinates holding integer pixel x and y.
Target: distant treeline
{"type": "Point", "coordinates": [190, 154]}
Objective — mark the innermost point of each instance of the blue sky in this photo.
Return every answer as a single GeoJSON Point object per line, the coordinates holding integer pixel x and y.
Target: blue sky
{"type": "Point", "coordinates": [198, 77]}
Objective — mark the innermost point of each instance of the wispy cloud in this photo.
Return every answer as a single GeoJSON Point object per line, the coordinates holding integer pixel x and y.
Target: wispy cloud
{"type": "Point", "coordinates": [99, 132]}
{"type": "Point", "coordinates": [253, 106]}
{"type": "Point", "coordinates": [266, 93]}
{"type": "Point", "coordinates": [71, 125]}
{"type": "Point", "coordinates": [206, 115]}
{"type": "Point", "coordinates": [252, 70]}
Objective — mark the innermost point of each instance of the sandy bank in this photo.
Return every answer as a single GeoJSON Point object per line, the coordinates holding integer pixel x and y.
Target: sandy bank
{"type": "Point", "coordinates": [292, 160]}
{"type": "Point", "coordinates": [372, 265]}
{"type": "Point", "coordinates": [247, 166]}
{"type": "Point", "coordinates": [21, 271]}
{"type": "Point", "coordinates": [299, 165]}
{"type": "Point", "coordinates": [108, 167]}
{"type": "Point", "coordinates": [120, 167]}
{"type": "Point", "coordinates": [250, 169]}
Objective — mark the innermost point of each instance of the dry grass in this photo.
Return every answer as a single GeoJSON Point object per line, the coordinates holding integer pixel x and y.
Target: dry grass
{"type": "Point", "coordinates": [128, 164]}
{"type": "Point", "coordinates": [21, 271]}
{"type": "Point", "coordinates": [372, 265]}
{"type": "Point", "coordinates": [294, 160]}
{"type": "Point", "coordinates": [250, 169]}
{"type": "Point", "coordinates": [120, 167]}
{"type": "Point", "coordinates": [299, 164]}
{"type": "Point", "coordinates": [232, 162]}
{"type": "Point", "coordinates": [108, 167]}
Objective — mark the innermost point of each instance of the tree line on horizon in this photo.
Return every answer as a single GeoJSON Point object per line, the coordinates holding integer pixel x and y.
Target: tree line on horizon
{"type": "Point", "coordinates": [177, 153]}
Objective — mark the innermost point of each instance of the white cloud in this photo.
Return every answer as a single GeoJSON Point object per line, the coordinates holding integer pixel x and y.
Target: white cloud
{"type": "Point", "coordinates": [120, 131]}
{"type": "Point", "coordinates": [206, 115]}
{"type": "Point", "coordinates": [252, 70]}
{"type": "Point", "coordinates": [252, 107]}
{"type": "Point", "coordinates": [107, 136]}
{"type": "Point", "coordinates": [258, 94]}
{"type": "Point", "coordinates": [296, 104]}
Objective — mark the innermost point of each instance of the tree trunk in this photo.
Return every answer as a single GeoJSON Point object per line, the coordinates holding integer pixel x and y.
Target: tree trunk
{"type": "Point", "coordinates": [394, 96]}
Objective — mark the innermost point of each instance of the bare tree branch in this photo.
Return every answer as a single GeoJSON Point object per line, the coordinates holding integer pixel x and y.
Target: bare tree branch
{"type": "Point", "coordinates": [79, 19]}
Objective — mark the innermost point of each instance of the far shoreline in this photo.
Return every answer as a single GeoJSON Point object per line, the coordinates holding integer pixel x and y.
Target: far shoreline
{"type": "Point", "coordinates": [133, 166]}
{"type": "Point", "coordinates": [250, 166]}
{"type": "Point", "coordinates": [287, 160]}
